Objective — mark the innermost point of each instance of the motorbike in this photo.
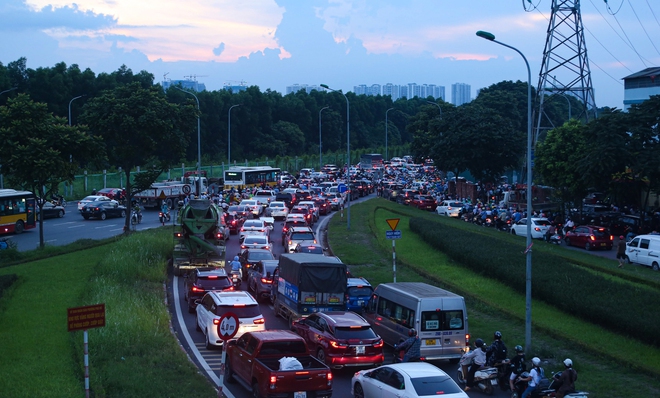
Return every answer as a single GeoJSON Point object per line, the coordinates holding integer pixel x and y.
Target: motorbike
{"type": "Point", "coordinates": [163, 217]}
{"type": "Point", "coordinates": [236, 278]}
{"type": "Point", "coordinates": [485, 379]}
{"type": "Point", "coordinates": [546, 390]}
{"type": "Point", "coordinates": [58, 200]}
{"type": "Point", "coordinates": [136, 217]}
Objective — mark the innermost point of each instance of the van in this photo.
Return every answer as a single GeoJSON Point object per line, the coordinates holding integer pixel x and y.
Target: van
{"type": "Point", "coordinates": [439, 316]}
{"type": "Point", "coordinates": [358, 294]}
{"type": "Point", "coordinates": [644, 250]}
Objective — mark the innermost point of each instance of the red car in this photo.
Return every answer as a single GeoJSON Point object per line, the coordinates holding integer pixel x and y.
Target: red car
{"type": "Point", "coordinates": [590, 237]}
{"type": "Point", "coordinates": [424, 202]}
{"type": "Point", "coordinates": [117, 194]}
{"type": "Point", "coordinates": [340, 339]}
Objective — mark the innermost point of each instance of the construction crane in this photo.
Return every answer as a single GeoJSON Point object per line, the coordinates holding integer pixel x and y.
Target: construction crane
{"type": "Point", "coordinates": [194, 77]}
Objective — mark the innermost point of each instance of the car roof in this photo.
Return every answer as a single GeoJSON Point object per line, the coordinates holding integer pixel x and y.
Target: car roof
{"type": "Point", "coordinates": [344, 318]}
{"type": "Point", "coordinates": [417, 369]}
{"type": "Point", "coordinates": [93, 197]}
{"type": "Point", "coordinates": [301, 229]}
{"type": "Point", "coordinates": [357, 282]}
{"type": "Point", "coordinates": [208, 271]}
{"type": "Point", "coordinates": [233, 297]}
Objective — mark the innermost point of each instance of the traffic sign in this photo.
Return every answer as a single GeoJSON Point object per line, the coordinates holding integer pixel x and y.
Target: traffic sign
{"type": "Point", "coordinates": [162, 195]}
{"type": "Point", "coordinates": [393, 222]}
{"type": "Point", "coordinates": [393, 234]}
{"type": "Point", "coordinates": [228, 326]}
{"type": "Point", "coordinates": [341, 188]}
{"type": "Point", "coordinates": [88, 317]}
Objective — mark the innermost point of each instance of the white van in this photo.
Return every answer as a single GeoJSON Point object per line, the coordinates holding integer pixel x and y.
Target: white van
{"type": "Point", "coordinates": [439, 316]}
{"type": "Point", "coordinates": [644, 250]}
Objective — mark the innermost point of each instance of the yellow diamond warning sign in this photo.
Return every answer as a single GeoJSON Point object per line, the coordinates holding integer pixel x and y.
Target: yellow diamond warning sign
{"type": "Point", "coordinates": [162, 195]}
{"type": "Point", "coordinates": [393, 222]}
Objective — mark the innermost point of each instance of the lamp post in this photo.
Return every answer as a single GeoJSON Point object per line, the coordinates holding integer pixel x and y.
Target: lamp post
{"type": "Point", "coordinates": [199, 145]}
{"type": "Point", "coordinates": [528, 250]}
{"type": "Point", "coordinates": [386, 124]}
{"type": "Point", "coordinates": [72, 99]}
{"type": "Point", "coordinates": [320, 143]}
{"type": "Point", "coordinates": [229, 134]}
{"type": "Point", "coordinates": [438, 105]}
{"type": "Point", "coordinates": [8, 90]}
{"type": "Point", "coordinates": [348, 152]}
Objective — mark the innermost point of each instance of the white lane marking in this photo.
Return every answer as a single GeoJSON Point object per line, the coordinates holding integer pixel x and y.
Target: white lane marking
{"type": "Point", "coordinates": [76, 226]}
{"type": "Point", "coordinates": [106, 226]}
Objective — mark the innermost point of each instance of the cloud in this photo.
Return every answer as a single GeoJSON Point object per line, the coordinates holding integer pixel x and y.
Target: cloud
{"type": "Point", "coordinates": [16, 16]}
{"type": "Point", "coordinates": [218, 50]}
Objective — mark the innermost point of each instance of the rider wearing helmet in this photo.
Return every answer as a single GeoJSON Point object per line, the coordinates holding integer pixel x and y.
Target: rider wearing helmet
{"type": "Point", "coordinates": [497, 352]}
{"type": "Point", "coordinates": [476, 359]}
{"type": "Point", "coordinates": [566, 379]}
{"type": "Point", "coordinates": [235, 264]}
{"type": "Point", "coordinates": [535, 376]}
{"type": "Point", "coordinates": [411, 347]}
{"type": "Point", "coordinates": [517, 365]}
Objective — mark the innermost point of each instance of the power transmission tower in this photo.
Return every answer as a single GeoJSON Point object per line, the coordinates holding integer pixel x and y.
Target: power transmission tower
{"type": "Point", "coordinates": [565, 67]}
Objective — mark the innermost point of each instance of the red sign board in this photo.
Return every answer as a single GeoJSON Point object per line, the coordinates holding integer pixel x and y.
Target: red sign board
{"type": "Point", "coordinates": [228, 326]}
{"type": "Point", "coordinates": [88, 317]}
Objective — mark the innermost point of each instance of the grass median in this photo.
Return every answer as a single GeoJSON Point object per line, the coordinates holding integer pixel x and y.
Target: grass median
{"type": "Point", "coordinates": [608, 363]}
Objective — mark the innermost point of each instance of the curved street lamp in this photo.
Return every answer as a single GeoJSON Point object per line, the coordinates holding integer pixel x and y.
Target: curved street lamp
{"type": "Point", "coordinates": [199, 145]}
{"type": "Point", "coordinates": [528, 252]}
{"type": "Point", "coordinates": [320, 143]}
{"type": "Point", "coordinates": [72, 99]}
{"type": "Point", "coordinates": [348, 151]}
{"type": "Point", "coordinates": [436, 104]}
{"type": "Point", "coordinates": [229, 134]}
{"type": "Point", "coordinates": [386, 124]}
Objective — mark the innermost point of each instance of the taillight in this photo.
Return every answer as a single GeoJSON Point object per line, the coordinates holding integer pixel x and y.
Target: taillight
{"type": "Point", "coordinates": [216, 321]}
{"type": "Point", "coordinates": [537, 229]}
{"type": "Point", "coordinates": [197, 289]}
{"type": "Point", "coordinates": [591, 237]}
{"type": "Point", "coordinates": [273, 380]}
{"type": "Point", "coordinates": [335, 344]}
{"type": "Point", "coordinates": [378, 344]}
{"type": "Point", "coordinates": [329, 378]}
{"type": "Point", "coordinates": [467, 339]}
{"type": "Point", "coordinates": [290, 243]}
{"type": "Point", "coordinates": [259, 321]}
{"type": "Point", "coordinates": [611, 237]}
{"type": "Point", "coordinates": [266, 280]}
{"type": "Point", "coordinates": [243, 247]}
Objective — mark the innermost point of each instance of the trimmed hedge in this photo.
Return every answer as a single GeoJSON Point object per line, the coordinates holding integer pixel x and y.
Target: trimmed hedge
{"type": "Point", "coordinates": [618, 306]}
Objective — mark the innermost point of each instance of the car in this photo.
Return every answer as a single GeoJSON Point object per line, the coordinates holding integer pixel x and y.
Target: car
{"type": "Point", "coordinates": [314, 208]}
{"type": "Point", "coordinates": [423, 202]}
{"type": "Point", "coordinates": [254, 227]}
{"type": "Point", "coordinates": [410, 379]}
{"type": "Point", "coordinates": [256, 242]}
{"type": "Point", "coordinates": [406, 196]}
{"type": "Point", "coordinates": [323, 205]}
{"type": "Point", "coordinates": [92, 198]}
{"type": "Point", "coordinates": [112, 193]}
{"type": "Point", "coordinates": [336, 200]}
{"type": "Point", "coordinates": [309, 246]}
{"type": "Point", "coordinates": [277, 209]}
{"type": "Point", "coordinates": [449, 208]}
{"type": "Point", "coordinates": [249, 257]}
{"type": "Point", "coordinates": [202, 280]}
{"type": "Point", "coordinates": [304, 210]}
{"type": "Point", "coordinates": [539, 227]}
{"type": "Point", "coordinates": [50, 210]}
{"type": "Point", "coordinates": [358, 294]}
{"type": "Point", "coordinates": [260, 278]}
{"type": "Point", "coordinates": [240, 211]}
{"type": "Point", "coordinates": [264, 196]}
{"type": "Point", "coordinates": [234, 223]}
{"type": "Point", "coordinates": [103, 209]}
{"type": "Point", "coordinates": [340, 339]}
{"type": "Point", "coordinates": [295, 235]}
{"type": "Point", "coordinates": [255, 207]}
{"type": "Point", "coordinates": [217, 303]}
{"type": "Point", "coordinates": [590, 237]}
{"type": "Point", "coordinates": [293, 222]}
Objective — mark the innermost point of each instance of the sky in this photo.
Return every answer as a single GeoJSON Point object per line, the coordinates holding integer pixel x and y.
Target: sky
{"type": "Point", "coordinates": [342, 43]}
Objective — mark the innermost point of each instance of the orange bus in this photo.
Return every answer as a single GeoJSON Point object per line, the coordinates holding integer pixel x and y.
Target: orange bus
{"type": "Point", "coordinates": [17, 211]}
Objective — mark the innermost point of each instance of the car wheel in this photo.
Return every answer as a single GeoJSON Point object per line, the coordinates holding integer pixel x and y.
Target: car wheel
{"type": "Point", "coordinates": [199, 329]}
{"type": "Point", "coordinates": [229, 373]}
{"type": "Point", "coordinates": [123, 214]}
{"type": "Point", "coordinates": [357, 391]}
{"type": "Point", "coordinates": [255, 390]}
{"type": "Point", "coordinates": [655, 266]}
{"type": "Point", "coordinates": [191, 306]}
{"type": "Point", "coordinates": [103, 216]}
{"type": "Point", "coordinates": [320, 355]}
{"type": "Point", "coordinates": [513, 231]}
{"type": "Point", "coordinates": [207, 342]}
{"type": "Point", "coordinates": [86, 217]}
{"type": "Point", "coordinates": [60, 214]}
{"type": "Point", "coordinates": [587, 246]}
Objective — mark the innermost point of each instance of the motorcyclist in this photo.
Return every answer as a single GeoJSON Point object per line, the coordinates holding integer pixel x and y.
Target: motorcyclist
{"type": "Point", "coordinates": [165, 210]}
{"type": "Point", "coordinates": [476, 359]}
{"type": "Point", "coordinates": [497, 351]}
{"type": "Point", "coordinates": [411, 347]}
{"type": "Point", "coordinates": [566, 379]}
{"type": "Point", "coordinates": [235, 264]}
{"type": "Point", "coordinates": [517, 365]}
{"type": "Point", "coordinates": [137, 210]}
{"type": "Point", "coordinates": [534, 378]}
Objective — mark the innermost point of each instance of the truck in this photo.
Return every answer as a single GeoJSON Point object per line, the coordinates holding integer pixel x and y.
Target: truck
{"type": "Point", "coordinates": [256, 361]}
{"type": "Point", "coordinates": [171, 192]}
{"type": "Point", "coordinates": [200, 236]}
{"type": "Point", "coordinates": [306, 283]}
{"type": "Point", "coordinates": [191, 178]}
{"type": "Point", "coordinates": [516, 198]}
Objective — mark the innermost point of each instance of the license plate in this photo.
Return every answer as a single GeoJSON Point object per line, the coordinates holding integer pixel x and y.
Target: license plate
{"type": "Point", "coordinates": [300, 394]}
{"type": "Point", "coordinates": [430, 341]}
{"type": "Point", "coordinates": [603, 244]}
{"type": "Point", "coordinates": [493, 382]}
{"type": "Point", "coordinates": [360, 302]}
{"type": "Point", "coordinates": [359, 349]}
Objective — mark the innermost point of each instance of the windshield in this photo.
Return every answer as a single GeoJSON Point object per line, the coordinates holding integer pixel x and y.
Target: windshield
{"type": "Point", "coordinates": [253, 224]}
{"type": "Point", "coordinates": [255, 240]}
{"type": "Point", "coordinates": [302, 236]}
{"type": "Point", "coordinates": [255, 256]}
{"type": "Point", "coordinates": [248, 311]}
{"type": "Point", "coordinates": [362, 333]}
{"type": "Point", "coordinates": [275, 204]}
{"type": "Point", "coordinates": [435, 385]}
{"type": "Point", "coordinates": [311, 249]}
{"type": "Point", "coordinates": [542, 222]}
{"type": "Point", "coordinates": [355, 291]}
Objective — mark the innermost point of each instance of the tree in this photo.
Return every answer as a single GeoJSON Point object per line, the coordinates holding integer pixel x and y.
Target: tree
{"type": "Point", "coordinates": [140, 128]}
{"type": "Point", "coordinates": [41, 150]}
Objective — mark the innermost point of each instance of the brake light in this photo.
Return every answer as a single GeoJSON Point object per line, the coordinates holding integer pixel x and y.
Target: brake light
{"type": "Point", "coordinates": [216, 321]}
{"type": "Point", "coordinates": [378, 344]}
{"type": "Point", "coordinates": [537, 229]}
{"type": "Point", "coordinates": [266, 280]}
{"type": "Point", "coordinates": [197, 289]}
{"type": "Point", "coordinates": [273, 380]}
{"type": "Point", "coordinates": [467, 339]}
{"type": "Point", "coordinates": [611, 237]}
{"type": "Point", "coordinates": [290, 242]}
{"type": "Point", "coordinates": [259, 321]}
{"type": "Point", "coordinates": [213, 276]}
{"type": "Point", "coordinates": [243, 247]}
{"type": "Point", "coordinates": [329, 378]}
{"type": "Point", "coordinates": [335, 344]}
{"type": "Point", "coordinates": [178, 234]}
{"type": "Point", "coordinates": [234, 222]}
{"type": "Point", "coordinates": [591, 237]}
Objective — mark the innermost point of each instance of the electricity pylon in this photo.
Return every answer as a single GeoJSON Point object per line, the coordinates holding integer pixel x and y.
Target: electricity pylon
{"type": "Point", "coordinates": [565, 67]}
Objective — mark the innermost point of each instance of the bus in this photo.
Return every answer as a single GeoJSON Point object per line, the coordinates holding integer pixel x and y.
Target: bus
{"type": "Point", "coordinates": [250, 177]}
{"type": "Point", "coordinates": [370, 161]}
{"type": "Point", "coordinates": [17, 211]}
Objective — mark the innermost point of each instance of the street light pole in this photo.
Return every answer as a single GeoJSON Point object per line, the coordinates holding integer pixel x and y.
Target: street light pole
{"type": "Point", "coordinates": [199, 145]}
{"type": "Point", "coordinates": [229, 134]}
{"type": "Point", "coordinates": [8, 90]}
{"type": "Point", "coordinates": [348, 152]}
{"type": "Point", "coordinates": [438, 105]}
{"type": "Point", "coordinates": [71, 156]}
{"type": "Point", "coordinates": [528, 250]}
{"type": "Point", "coordinates": [320, 142]}
{"type": "Point", "coordinates": [386, 124]}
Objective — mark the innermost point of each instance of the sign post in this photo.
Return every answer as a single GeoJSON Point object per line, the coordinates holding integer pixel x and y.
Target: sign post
{"type": "Point", "coordinates": [393, 235]}
{"type": "Point", "coordinates": [227, 329]}
{"type": "Point", "coordinates": [83, 318]}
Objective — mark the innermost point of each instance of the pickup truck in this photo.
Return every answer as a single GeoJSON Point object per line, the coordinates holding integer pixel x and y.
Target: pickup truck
{"type": "Point", "coordinates": [253, 361]}
{"type": "Point", "coordinates": [264, 197]}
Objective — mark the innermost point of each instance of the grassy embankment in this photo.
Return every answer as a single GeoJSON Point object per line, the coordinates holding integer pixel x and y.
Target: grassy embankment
{"type": "Point", "coordinates": [609, 363]}
{"type": "Point", "coordinates": [134, 355]}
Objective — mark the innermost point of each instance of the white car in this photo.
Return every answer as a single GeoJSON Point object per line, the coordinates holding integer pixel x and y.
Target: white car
{"type": "Point", "coordinates": [93, 198]}
{"type": "Point", "coordinates": [311, 204]}
{"type": "Point", "coordinates": [254, 227]}
{"type": "Point", "coordinates": [410, 379]}
{"type": "Point", "coordinates": [277, 210]}
{"type": "Point", "coordinates": [336, 200]}
{"type": "Point", "coordinates": [215, 304]}
{"type": "Point", "coordinates": [256, 242]}
{"type": "Point", "coordinates": [255, 207]}
{"type": "Point", "coordinates": [539, 227]}
{"type": "Point", "coordinates": [450, 208]}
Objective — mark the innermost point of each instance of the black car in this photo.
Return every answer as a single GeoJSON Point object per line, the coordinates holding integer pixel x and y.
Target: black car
{"type": "Point", "coordinates": [234, 222]}
{"type": "Point", "coordinates": [249, 257]}
{"type": "Point", "coordinates": [287, 198]}
{"type": "Point", "coordinates": [203, 280]}
{"type": "Point", "coordinates": [103, 210]}
{"type": "Point", "coordinates": [50, 211]}
{"type": "Point", "coordinates": [260, 278]}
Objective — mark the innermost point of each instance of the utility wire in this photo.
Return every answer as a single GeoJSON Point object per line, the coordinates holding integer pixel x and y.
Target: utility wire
{"type": "Point", "coordinates": [606, 49]}
{"type": "Point", "coordinates": [643, 28]}
{"type": "Point", "coordinates": [630, 41]}
{"type": "Point", "coordinates": [532, 5]}
{"type": "Point", "coordinates": [610, 9]}
{"type": "Point", "coordinates": [603, 70]}
{"type": "Point", "coordinates": [652, 13]}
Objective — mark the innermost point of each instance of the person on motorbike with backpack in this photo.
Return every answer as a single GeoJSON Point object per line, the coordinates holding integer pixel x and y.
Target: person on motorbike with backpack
{"type": "Point", "coordinates": [535, 376]}
{"type": "Point", "coordinates": [517, 365]}
{"type": "Point", "coordinates": [411, 347]}
{"type": "Point", "coordinates": [497, 352]}
{"type": "Point", "coordinates": [476, 358]}
{"type": "Point", "coordinates": [566, 380]}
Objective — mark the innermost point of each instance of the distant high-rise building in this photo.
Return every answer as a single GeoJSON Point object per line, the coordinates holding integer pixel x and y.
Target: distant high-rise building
{"type": "Point", "coordinates": [392, 90]}
{"type": "Point", "coordinates": [360, 90]}
{"type": "Point", "coordinates": [185, 84]}
{"type": "Point", "coordinates": [403, 92]}
{"type": "Point", "coordinates": [304, 87]}
{"type": "Point", "coordinates": [460, 93]}
{"type": "Point", "coordinates": [414, 90]}
{"type": "Point", "coordinates": [374, 90]}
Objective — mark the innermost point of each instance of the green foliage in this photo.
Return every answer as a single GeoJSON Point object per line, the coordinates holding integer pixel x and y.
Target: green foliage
{"type": "Point", "coordinates": [5, 282]}
{"type": "Point", "coordinates": [612, 304]}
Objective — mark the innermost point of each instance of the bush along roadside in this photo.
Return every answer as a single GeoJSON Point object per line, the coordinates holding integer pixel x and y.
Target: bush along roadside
{"type": "Point", "coordinates": [618, 306]}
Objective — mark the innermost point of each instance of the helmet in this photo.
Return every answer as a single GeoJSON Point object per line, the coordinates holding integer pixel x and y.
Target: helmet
{"type": "Point", "coordinates": [235, 258]}
{"type": "Point", "coordinates": [536, 361]}
{"type": "Point", "coordinates": [519, 348]}
{"type": "Point", "coordinates": [479, 342]}
{"type": "Point", "coordinates": [497, 335]}
{"type": "Point", "coordinates": [412, 332]}
{"type": "Point", "coordinates": [621, 237]}
{"type": "Point", "coordinates": [568, 363]}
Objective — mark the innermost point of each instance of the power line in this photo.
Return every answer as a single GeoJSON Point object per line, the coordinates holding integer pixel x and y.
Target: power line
{"type": "Point", "coordinates": [603, 70]}
{"type": "Point", "coordinates": [652, 13]}
{"type": "Point", "coordinates": [643, 28]}
{"type": "Point", "coordinates": [610, 9]}
{"type": "Point", "coordinates": [608, 51]}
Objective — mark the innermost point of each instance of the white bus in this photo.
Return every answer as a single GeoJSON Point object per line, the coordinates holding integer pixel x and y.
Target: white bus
{"type": "Point", "coordinates": [250, 177]}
